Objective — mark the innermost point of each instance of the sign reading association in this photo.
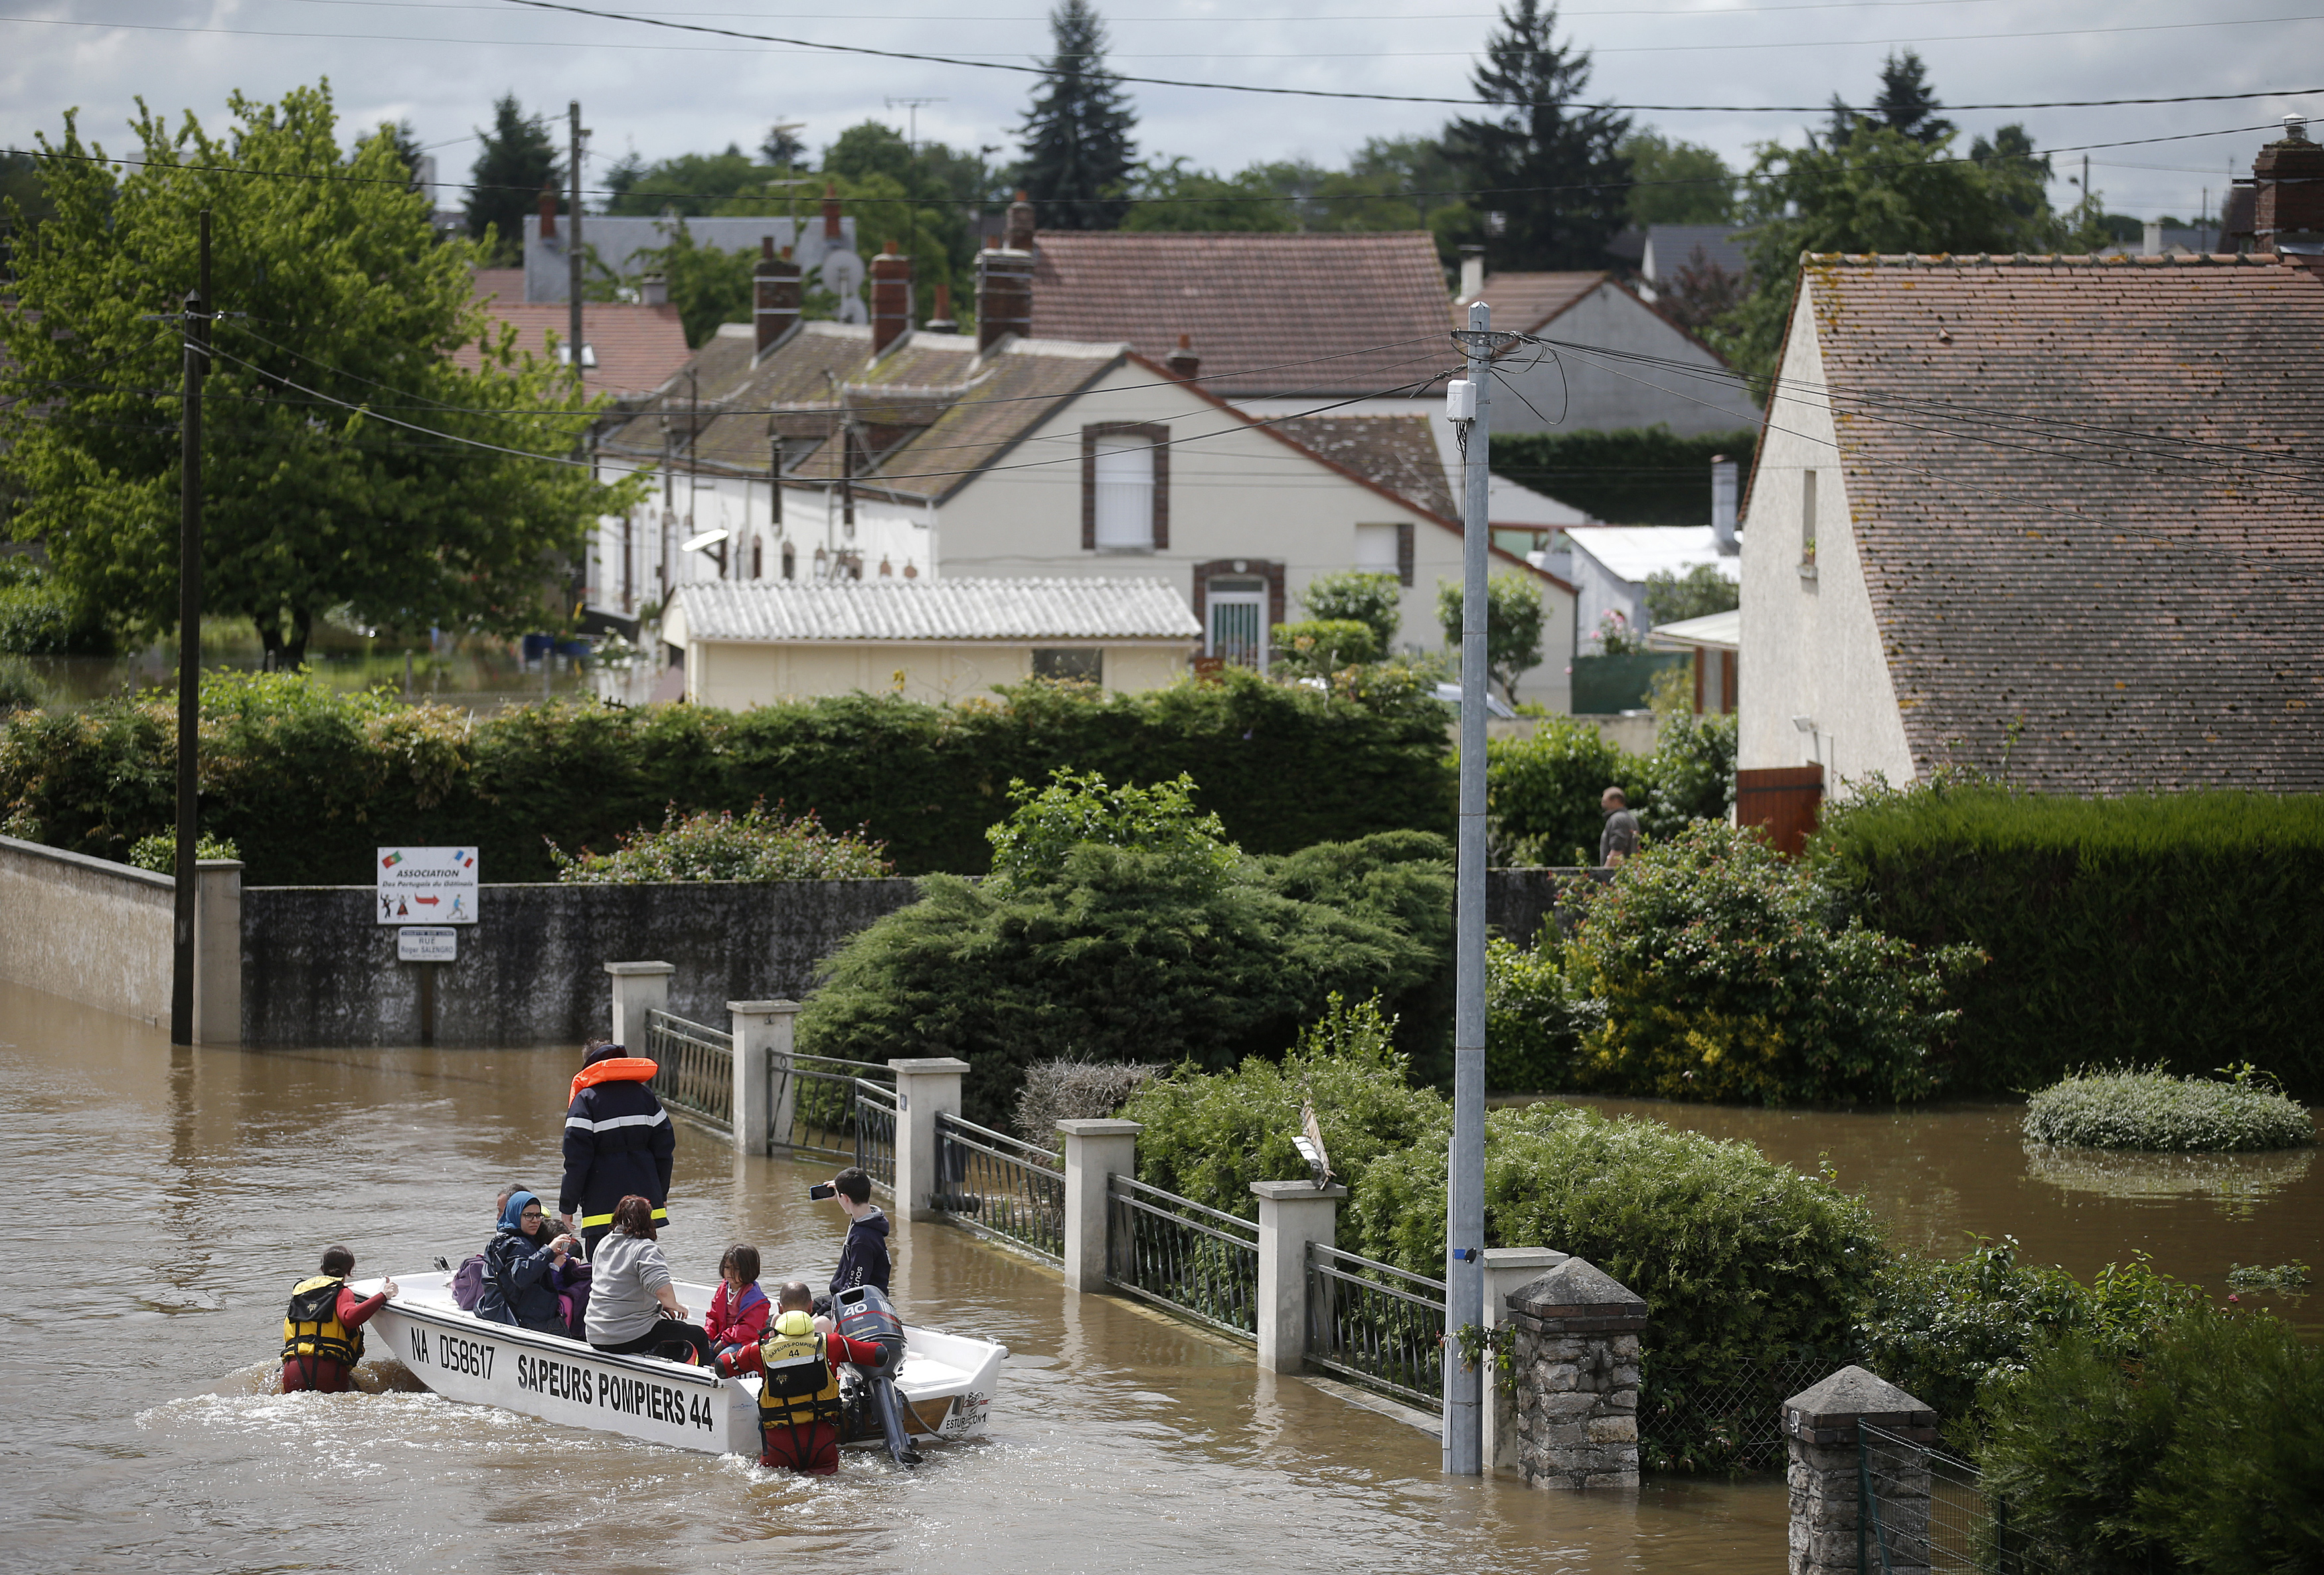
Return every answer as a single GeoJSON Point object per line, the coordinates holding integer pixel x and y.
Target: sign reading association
{"type": "Point", "coordinates": [426, 886]}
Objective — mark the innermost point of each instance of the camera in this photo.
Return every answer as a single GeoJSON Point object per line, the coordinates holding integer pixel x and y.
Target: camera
{"type": "Point", "coordinates": [820, 1191]}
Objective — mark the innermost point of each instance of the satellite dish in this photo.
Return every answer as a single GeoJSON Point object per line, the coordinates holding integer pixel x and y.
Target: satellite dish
{"type": "Point", "coordinates": [843, 273]}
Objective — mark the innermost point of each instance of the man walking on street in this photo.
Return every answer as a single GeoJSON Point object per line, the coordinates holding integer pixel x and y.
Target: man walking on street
{"type": "Point", "coordinates": [1619, 841]}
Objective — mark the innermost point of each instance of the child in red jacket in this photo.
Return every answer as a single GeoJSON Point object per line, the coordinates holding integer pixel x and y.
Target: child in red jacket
{"type": "Point", "coordinates": [739, 1310]}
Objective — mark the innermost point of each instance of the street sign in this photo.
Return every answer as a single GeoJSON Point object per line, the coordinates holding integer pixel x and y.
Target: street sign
{"type": "Point", "coordinates": [426, 886]}
{"type": "Point", "coordinates": [427, 943]}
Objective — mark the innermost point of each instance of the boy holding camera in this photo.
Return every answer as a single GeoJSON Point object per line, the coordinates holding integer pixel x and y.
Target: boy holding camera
{"type": "Point", "coordinates": [863, 1258]}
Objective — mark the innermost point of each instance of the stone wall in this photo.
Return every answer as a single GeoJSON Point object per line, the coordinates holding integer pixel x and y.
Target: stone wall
{"type": "Point", "coordinates": [87, 929]}
{"type": "Point", "coordinates": [318, 969]}
{"type": "Point", "coordinates": [1576, 1379]}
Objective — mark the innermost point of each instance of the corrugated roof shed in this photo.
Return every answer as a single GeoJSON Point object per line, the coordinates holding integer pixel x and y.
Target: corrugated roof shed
{"type": "Point", "coordinates": [1268, 314]}
{"type": "Point", "coordinates": [768, 613]}
{"type": "Point", "coordinates": [2089, 500]}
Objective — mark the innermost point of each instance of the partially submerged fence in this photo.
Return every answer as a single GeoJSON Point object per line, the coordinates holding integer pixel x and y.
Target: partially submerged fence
{"type": "Point", "coordinates": [694, 1068]}
{"type": "Point", "coordinates": [1378, 1324]}
{"type": "Point", "coordinates": [1183, 1255]}
{"type": "Point", "coordinates": [1740, 1422]}
{"type": "Point", "coordinates": [806, 1104]}
{"type": "Point", "coordinates": [1925, 1510]}
{"type": "Point", "coordinates": [1000, 1185]}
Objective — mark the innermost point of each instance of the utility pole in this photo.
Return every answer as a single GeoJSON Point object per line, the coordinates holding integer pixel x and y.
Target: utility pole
{"type": "Point", "coordinates": [195, 334]}
{"type": "Point", "coordinates": [912, 108]}
{"type": "Point", "coordinates": [573, 237]}
{"type": "Point", "coordinates": [1464, 1192]}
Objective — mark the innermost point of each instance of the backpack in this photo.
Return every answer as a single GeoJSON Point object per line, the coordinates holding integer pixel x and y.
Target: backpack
{"type": "Point", "coordinates": [468, 1282]}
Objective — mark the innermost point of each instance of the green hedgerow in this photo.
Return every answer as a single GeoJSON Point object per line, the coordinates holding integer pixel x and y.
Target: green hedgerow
{"type": "Point", "coordinates": [1535, 1020]}
{"type": "Point", "coordinates": [2149, 1109]}
{"type": "Point", "coordinates": [759, 846]}
{"type": "Point", "coordinates": [159, 853]}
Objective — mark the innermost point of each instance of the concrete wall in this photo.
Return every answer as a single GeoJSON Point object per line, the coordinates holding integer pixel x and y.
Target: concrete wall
{"type": "Point", "coordinates": [735, 674]}
{"type": "Point", "coordinates": [319, 969]}
{"type": "Point", "coordinates": [1579, 392]}
{"type": "Point", "coordinates": [1810, 647]}
{"type": "Point", "coordinates": [87, 929]}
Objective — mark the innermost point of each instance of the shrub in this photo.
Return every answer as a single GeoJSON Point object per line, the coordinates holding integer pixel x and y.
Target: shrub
{"type": "Point", "coordinates": [1321, 647]}
{"type": "Point", "coordinates": [1635, 475]}
{"type": "Point", "coordinates": [2203, 1451]}
{"type": "Point", "coordinates": [1739, 1259]}
{"type": "Point", "coordinates": [1724, 979]}
{"type": "Point", "coordinates": [2176, 930]}
{"type": "Point", "coordinates": [37, 620]}
{"type": "Point", "coordinates": [1072, 1091]}
{"type": "Point", "coordinates": [1033, 844]}
{"type": "Point", "coordinates": [1209, 1134]}
{"type": "Point", "coordinates": [718, 847]}
{"type": "Point", "coordinates": [1372, 599]}
{"type": "Point", "coordinates": [1691, 775]}
{"type": "Point", "coordinates": [159, 853]}
{"type": "Point", "coordinates": [1544, 791]}
{"type": "Point", "coordinates": [20, 689]}
{"type": "Point", "coordinates": [2149, 1109]}
{"type": "Point", "coordinates": [1535, 1020]}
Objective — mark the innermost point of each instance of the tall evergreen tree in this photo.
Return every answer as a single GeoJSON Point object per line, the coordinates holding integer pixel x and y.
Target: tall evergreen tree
{"type": "Point", "coordinates": [1555, 167]}
{"type": "Point", "coordinates": [518, 160]}
{"type": "Point", "coordinates": [1907, 104]}
{"type": "Point", "coordinates": [1078, 155]}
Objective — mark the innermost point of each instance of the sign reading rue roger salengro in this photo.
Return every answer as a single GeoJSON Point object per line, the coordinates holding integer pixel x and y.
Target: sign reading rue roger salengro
{"type": "Point", "coordinates": [427, 943]}
{"type": "Point", "coordinates": [426, 886]}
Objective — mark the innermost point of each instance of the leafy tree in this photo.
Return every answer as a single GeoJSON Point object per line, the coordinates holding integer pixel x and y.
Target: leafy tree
{"type": "Point", "coordinates": [1907, 104]}
{"type": "Point", "coordinates": [1678, 183]}
{"type": "Point", "coordinates": [1169, 196]}
{"type": "Point", "coordinates": [405, 140]}
{"type": "Point", "coordinates": [1698, 593]}
{"type": "Point", "coordinates": [1555, 166]}
{"type": "Point", "coordinates": [2011, 154]}
{"type": "Point", "coordinates": [308, 503]}
{"type": "Point", "coordinates": [516, 161]}
{"type": "Point", "coordinates": [689, 185]}
{"type": "Point", "coordinates": [1700, 292]}
{"type": "Point", "coordinates": [1078, 156]}
{"type": "Point", "coordinates": [871, 149]}
{"type": "Point", "coordinates": [1365, 597]}
{"type": "Point", "coordinates": [708, 286]}
{"type": "Point", "coordinates": [1513, 624]}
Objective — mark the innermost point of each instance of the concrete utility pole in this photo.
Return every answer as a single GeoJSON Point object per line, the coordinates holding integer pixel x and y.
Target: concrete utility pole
{"type": "Point", "coordinates": [1464, 1193]}
{"type": "Point", "coordinates": [573, 237]}
{"type": "Point", "coordinates": [196, 332]}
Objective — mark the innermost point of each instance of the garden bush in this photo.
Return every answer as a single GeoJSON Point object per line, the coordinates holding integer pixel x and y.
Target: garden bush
{"type": "Point", "coordinates": [311, 780]}
{"type": "Point", "coordinates": [1535, 1019]}
{"type": "Point", "coordinates": [158, 852]}
{"type": "Point", "coordinates": [1074, 1091]}
{"type": "Point", "coordinates": [2178, 930]}
{"type": "Point", "coordinates": [1724, 978]}
{"type": "Point", "coordinates": [2201, 1451]}
{"type": "Point", "coordinates": [1544, 790]}
{"type": "Point", "coordinates": [2149, 1109]}
{"type": "Point", "coordinates": [22, 688]}
{"type": "Point", "coordinates": [704, 846]}
{"type": "Point", "coordinates": [1165, 943]}
{"type": "Point", "coordinates": [38, 619]}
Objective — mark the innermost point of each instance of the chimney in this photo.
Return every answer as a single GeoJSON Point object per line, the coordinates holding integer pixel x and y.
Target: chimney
{"type": "Point", "coordinates": [1472, 274]}
{"type": "Point", "coordinates": [1004, 295]}
{"type": "Point", "coordinates": [548, 213]}
{"type": "Point", "coordinates": [830, 213]}
{"type": "Point", "coordinates": [1184, 364]}
{"type": "Point", "coordinates": [2288, 179]}
{"type": "Point", "coordinates": [892, 297]}
{"type": "Point", "coordinates": [1020, 223]}
{"type": "Point", "coordinates": [1723, 504]}
{"type": "Point", "coordinates": [653, 289]}
{"type": "Point", "coordinates": [775, 289]}
{"type": "Point", "coordinates": [942, 323]}
{"type": "Point", "coordinates": [2150, 245]}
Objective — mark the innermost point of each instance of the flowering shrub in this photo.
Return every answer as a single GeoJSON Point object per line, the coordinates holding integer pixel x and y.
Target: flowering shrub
{"type": "Point", "coordinates": [759, 846]}
{"type": "Point", "coordinates": [1615, 637]}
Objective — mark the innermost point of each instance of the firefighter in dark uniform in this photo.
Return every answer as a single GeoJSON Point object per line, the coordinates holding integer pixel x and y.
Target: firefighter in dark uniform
{"type": "Point", "coordinates": [322, 1329]}
{"type": "Point", "coordinates": [618, 1143]}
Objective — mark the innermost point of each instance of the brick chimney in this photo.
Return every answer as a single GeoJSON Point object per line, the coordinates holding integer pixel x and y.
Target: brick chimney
{"type": "Point", "coordinates": [942, 323]}
{"type": "Point", "coordinates": [830, 213]}
{"type": "Point", "coordinates": [2288, 176]}
{"type": "Point", "coordinates": [1183, 363]}
{"type": "Point", "coordinates": [892, 297]}
{"type": "Point", "coordinates": [548, 213]}
{"type": "Point", "coordinates": [1004, 282]}
{"type": "Point", "coordinates": [1020, 223]}
{"type": "Point", "coordinates": [775, 289]}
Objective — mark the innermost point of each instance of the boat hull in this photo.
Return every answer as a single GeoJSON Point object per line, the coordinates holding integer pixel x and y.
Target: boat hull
{"type": "Point", "coordinates": [946, 1380]}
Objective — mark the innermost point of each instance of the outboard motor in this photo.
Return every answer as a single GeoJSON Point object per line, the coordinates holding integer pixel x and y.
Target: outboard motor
{"type": "Point", "coordinates": [864, 1314]}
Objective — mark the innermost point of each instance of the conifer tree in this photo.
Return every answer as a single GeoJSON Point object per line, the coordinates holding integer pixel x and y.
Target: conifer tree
{"type": "Point", "coordinates": [518, 160]}
{"type": "Point", "coordinates": [1555, 165]}
{"type": "Point", "coordinates": [1078, 156]}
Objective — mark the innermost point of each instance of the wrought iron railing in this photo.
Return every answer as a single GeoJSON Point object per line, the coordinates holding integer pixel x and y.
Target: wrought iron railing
{"type": "Point", "coordinates": [1002, 1185]}
{"type": "Point", "coordinates": [694, 1068]}
{"type": "Point", "coordinates": [1183, 1255]}
{"type": "Point", "coordinates": [874, 1117]}
{"type": "Point", "coordinates": [1378, 1324]}
{"type": "Point", "coordinates": [1734, 1424]}
{"type": "Point", "coordinates": [813, 1103]}
{"type": "Point", "coordinates": [1926, 1511]}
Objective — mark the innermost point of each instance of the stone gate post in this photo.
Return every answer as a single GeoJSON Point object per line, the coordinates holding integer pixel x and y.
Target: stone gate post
{"type": "Point", "coordinates": [1577, 1378]}
{"type": "Point", "coordinates": [1506, 1269]}
{"type": "Point", "coordinates": [926, 1088]}
{"type": "Point", "coordinates": [638, 987]}
{"type": "Point", "coordinates": [217, 952]}
{"type": "Point", "coordinates": [762, 1032]}
{"type": "Point", "coordinates": [1829, 1532]}
{"type": "Point", "coordinates": [1291, 1214]}
{"type": "Point", "coordinates": [1095, 1149]}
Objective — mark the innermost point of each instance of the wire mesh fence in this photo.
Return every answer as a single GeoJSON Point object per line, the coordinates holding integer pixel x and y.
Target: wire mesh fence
{"type": "Point", "coordinates": [997, 1183]}
{"type": "Point", "coordinates": [1926, 1510]}
{"type": "Point", "coordinates": [1730, 1424]}
{"type": "Point", "coordinates": [1183, 1255]}
{"type": "Point", "coordinates": [694, 1068]}
{"type": "Point", "coordinates": [1378, 1324]}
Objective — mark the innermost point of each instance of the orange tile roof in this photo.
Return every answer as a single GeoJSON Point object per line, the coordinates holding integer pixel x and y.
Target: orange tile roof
{"type": "Point", "coordinates": [1268, 314]}
{"type": "Point", "coordinates": [2088, 497]}
{"type": "Point", "coordinates": [638, 348]}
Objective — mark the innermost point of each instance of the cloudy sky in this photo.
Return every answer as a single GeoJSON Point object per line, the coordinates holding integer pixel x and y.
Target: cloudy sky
{"type": "Point", "coordinates": [439, 63]}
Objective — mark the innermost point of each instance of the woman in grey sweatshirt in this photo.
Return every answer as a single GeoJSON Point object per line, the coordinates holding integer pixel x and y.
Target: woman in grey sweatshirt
{"type": "Point", "coordinates": [633, 1305]}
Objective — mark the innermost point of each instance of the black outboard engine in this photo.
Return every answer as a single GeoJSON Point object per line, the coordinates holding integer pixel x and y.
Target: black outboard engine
{"type": "Point", "coordinates": [865, 1315]}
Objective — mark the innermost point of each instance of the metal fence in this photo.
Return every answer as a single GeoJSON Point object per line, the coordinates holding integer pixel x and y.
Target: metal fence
{"type": "Point", "coordinates": [814, 1104]}
{"type": "Point", "coordinates": [875, 1132]}
{"type": "Point", "coordinates": [694, 1068]}
{"type": "Point", "coordinates": [1183, 1255]}
{"type": "Point", "coordinates": [1925, 1510]}
{"type": "Point", "coordinates": [1376, 1323]}
{"type": "Point", "coordinates": [1735, 1425]}
{"type": "Point", "coordinates": [1001, 1185]}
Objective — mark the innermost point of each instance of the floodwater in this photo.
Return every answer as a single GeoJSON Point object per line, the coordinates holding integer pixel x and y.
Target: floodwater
{"type": "Point", "coordinates": [168, 1200]}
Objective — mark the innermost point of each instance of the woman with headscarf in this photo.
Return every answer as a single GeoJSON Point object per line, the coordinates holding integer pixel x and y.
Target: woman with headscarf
{"type": "Point", "coordinates": [520, 1262]}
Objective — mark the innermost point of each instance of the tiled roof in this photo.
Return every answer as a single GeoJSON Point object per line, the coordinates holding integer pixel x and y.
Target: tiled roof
{"type": "Point", "coordinates": [1268, 314]}
{"type": "Point", "coordinates": [1396, 452]}
{"type": "Point", "coordinates": [903, 610]}
{"type": "Point", "coordinates": [2090, 505]}
{"type": "Point", "coordinates": [638, 348]}
{"type": "Point", "coordinates": [1523, 302]}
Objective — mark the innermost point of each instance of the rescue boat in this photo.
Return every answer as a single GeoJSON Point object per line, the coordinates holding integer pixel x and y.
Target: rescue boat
{"type": "Point", "coordinates": [946, 1381]}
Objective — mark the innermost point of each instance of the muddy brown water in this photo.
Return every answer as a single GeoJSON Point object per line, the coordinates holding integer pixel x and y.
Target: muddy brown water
{"type": "Point", "coordinates": [167, 1200]}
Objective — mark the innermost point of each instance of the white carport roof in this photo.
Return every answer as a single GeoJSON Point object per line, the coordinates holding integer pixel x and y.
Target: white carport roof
{"type": "Point", "coordinates": [1712, 630]}
{"type": "Point", "coordinates": [782, 611]}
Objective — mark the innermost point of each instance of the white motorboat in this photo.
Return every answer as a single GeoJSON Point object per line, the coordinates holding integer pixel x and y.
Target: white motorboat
{"type": "Point", "coordinates": [946, 1381]}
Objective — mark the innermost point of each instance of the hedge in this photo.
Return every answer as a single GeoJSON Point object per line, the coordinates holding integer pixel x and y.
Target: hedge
{"type": "Point", "coordinates": [309, 782]}
{"type": "Point", "coordinates": [2149, 1110]}
{"type": "Point", "coordinates": [2173, 930]}
{"type": "Point", "coordinates": [1635, 475]}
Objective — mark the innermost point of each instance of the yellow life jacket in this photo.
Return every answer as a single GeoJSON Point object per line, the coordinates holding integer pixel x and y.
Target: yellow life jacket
{"type": "Point", "coordinates": [801, 1386]}
{"type": "Point", "coordinates": [311, 1327]}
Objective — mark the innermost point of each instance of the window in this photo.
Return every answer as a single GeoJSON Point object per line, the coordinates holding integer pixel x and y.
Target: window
{"type": "Point", "coordinates": [790, 561]}
{"type": "Point", "coordinates": [1087, 667]}
{"type": "Point", "coordinates": [1386, 549]}
{"type": "Point", "coordinates": [1125, 487]}
{"type": "Point", "coordinates": [1236, 627]}
{"type": "Point", "coordinates": [1807, 518]}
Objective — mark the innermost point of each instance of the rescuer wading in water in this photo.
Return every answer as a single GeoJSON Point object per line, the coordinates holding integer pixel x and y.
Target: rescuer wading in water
{"type": "Point", "coordinates": [322, 1329]}
{"type": "Point", "coordinates": [798, 1401]}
